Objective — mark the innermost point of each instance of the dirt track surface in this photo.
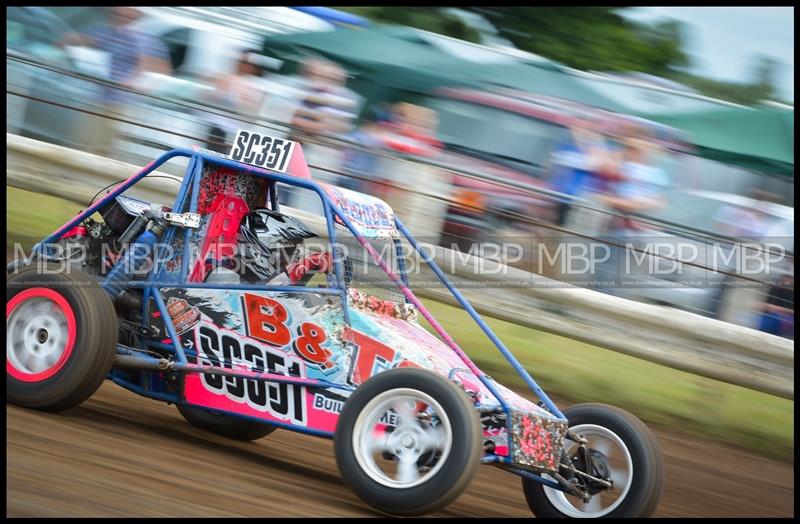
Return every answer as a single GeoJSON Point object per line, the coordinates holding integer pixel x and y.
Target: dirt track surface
{"type": "Point", "coordinates": [119, 454]}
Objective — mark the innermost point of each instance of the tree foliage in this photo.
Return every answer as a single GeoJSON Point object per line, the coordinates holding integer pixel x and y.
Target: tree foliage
{"type": "Point", "coordinates": [431, 19]}
{"type": "Point", "coordinates": [590, 39]}
{"type": "Point", "coordinates": [597, 38]}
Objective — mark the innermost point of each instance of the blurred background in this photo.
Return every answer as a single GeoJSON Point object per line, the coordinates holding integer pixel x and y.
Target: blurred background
{"type": "Point", "coordinates": [470, 127]}
{"type": "Point", "coordinates": [614, 125]}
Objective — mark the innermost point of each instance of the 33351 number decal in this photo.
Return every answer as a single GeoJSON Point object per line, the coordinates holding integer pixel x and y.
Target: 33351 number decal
{"type": "Point", "coordinates": [262, 150]}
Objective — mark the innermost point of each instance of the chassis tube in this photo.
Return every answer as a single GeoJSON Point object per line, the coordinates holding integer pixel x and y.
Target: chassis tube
{"type": "Point", "coordinates": [486, 329]}
{"type": "Point", "coordinates": [113, 194]}
{"type": "Point", "coordinates": [162, 308]}
{"type": "Point", "coordinates": [143, 362]}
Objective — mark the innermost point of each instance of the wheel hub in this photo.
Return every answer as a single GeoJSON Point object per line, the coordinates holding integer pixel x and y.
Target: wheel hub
{"type": "Point", "coordinates": [602, 454]}
{"type": "Point", "coordinates": [37, 335]}
{"type": "Point", "coordinates": [408, 441]}
{"type": "Point", "coordinates": [415, 444]}
{"type": "Point", "coordinates": [405, 443]}
{"type": "Point", "coordinates": [598, 466]}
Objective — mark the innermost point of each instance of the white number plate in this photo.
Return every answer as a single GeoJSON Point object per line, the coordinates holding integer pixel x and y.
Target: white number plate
{"type": "Point", "coordinates": [262, 150]}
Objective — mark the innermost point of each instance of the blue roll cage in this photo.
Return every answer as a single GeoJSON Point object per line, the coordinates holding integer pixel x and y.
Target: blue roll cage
{"type": "Point", "coordinates": [152, 286]}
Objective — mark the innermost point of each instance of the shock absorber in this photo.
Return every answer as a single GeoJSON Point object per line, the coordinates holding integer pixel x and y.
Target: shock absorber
{"type": "Point", "coordinates": [137, 255]}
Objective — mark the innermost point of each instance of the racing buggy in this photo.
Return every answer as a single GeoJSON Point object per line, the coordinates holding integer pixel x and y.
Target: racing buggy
{"type": "Point", "coordinates": [249, 317]}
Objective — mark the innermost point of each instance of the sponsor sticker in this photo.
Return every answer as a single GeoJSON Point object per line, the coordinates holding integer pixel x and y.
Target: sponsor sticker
{"type": "Point", "coordinates": [235, 352]}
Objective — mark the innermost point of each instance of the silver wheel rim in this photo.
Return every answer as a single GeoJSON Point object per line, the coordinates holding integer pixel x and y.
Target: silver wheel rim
{"type": "Point", "coordinates": [416, 435]}
{"type": "Point", "coordinates": [37, 335]}
{"type": "Point", "coordinates": [621, 465]}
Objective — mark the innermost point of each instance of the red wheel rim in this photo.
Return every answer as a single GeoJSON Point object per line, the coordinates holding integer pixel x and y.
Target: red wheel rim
{"type": "Point", "coordinates": [39, 322]}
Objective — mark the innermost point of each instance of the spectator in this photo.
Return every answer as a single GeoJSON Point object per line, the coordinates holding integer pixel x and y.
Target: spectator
{"type": "Point", "coordinates": [360, 163]}
{"type": "Point", "coordinates": [407, 129]}
{"type": "Point", "coordinates": [576, 166]}
{"type": "Point", "coordinates": [405, 186]}
{"type": "Point", "coordinates": [327, 110]}
{"type": "Point", "coordinates": [638, 187]}
{"type": "Point", "coordinates": [749, 224]}
{"type": "Point", "coordinates": [240, 92]}
{"type": "Point", "coordinates": [777, 316]}
{"type": "Point", "coordinates": [328, 107]}
{"type": "Point", "coordinates": [411, 130]}
{"type": "Point", "coordinates": [131, 54]}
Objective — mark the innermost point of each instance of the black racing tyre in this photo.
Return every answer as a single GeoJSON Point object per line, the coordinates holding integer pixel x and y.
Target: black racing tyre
{"type": "Point", "coordinates": [630, 454]}
{"type": "Point", "coordinates": [61, 338]}
{"type": "Point", "coordinates": [225, 425]}
{"type": "Point", "coordinates": [428, 432]}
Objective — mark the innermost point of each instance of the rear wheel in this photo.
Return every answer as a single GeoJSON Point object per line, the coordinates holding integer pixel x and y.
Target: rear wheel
{"type": "Point", "coordinates": [61, 338]}
{"type": "Point", "coordinates": [225, 425]}
{"type": "Point", "coordinates": [620, 448]}
{"type": "Point", "coordinates": [408, 441]}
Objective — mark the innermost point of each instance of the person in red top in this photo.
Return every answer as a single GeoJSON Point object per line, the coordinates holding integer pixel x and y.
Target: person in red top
{"type": "Point", "coordinates": [410, 131]}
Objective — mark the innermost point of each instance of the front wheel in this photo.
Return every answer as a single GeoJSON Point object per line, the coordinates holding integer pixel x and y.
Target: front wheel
{"type": "Point", "coordinates": [61, 338]}
{"type": "Point", "coordinates": [620, 448]}
{"type": "Point", "coordinates": [408, 441]}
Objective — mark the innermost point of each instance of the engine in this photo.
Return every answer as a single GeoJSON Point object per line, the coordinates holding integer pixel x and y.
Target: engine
{"type": "Point", "coordinates": [95, 245]}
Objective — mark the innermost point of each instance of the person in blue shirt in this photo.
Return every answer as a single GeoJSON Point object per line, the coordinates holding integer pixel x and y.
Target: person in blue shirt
{"type": "Point", "coordinates": [131, 53]}
{"type": "Point", "coordinates": [777, 315]}
{"type": "Point", "coordinates": [360, 163]}
{"type": "Point", "coordinates": [576, 165]}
